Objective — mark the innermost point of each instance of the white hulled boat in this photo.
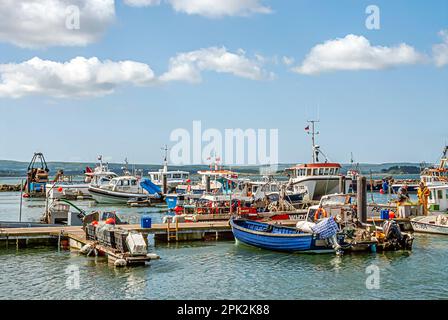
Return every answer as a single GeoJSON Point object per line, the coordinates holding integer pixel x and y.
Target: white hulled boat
{"type": "Point", "coordinates": [173, 178]}
{"type": "Point", "coordinates": [120, 190]}
{"type": "Point", "coordinates": [318, 179]}
{"type": "Point", "coordinates": [65, 186]}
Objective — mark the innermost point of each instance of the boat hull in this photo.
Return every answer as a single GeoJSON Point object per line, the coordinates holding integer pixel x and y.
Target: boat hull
{"type": "Point", "coordinates": [318, 187]}
{"type": "Point", "coordinates": [282, 242]}
{"type": "Point", "coordinates": [111, 197]}
{"type": "Point", "coordinates": [423, 227]}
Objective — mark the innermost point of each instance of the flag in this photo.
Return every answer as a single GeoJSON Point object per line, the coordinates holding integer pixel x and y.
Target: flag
{"type": "Point", "coordinates": [307, 128]}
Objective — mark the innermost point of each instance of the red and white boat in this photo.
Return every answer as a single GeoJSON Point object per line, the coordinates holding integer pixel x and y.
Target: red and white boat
{"type": "Point", "coordinates": [317, 178]}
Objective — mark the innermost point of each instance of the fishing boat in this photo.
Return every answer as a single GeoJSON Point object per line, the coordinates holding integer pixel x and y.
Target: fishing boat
{"type": "Point", "coordinates": [122, 189]}
{"type": "Point", "coordinates": [437, 224]}
{"type": "Point", "coordinates": [173, 178]}
{"type": "Point", "coordinates": [438, 197]}
{"type": "Point", "coordinates": [437, 175]}
{"type": "Point", "coordinates": [278, 238]}
{"type": "Point", "coordinates": [318, 178]}
{"type": "Point", "coordinates": [66, 187]}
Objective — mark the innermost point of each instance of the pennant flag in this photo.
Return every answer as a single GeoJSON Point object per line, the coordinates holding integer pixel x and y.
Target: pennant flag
{"type": "Point", "coordinates": [307, 128]}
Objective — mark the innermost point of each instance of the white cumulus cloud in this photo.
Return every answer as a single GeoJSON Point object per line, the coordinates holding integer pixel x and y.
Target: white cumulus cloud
{"type": "Point", "coordinates": [79, 77]}
{"type": "Point", "coordinates": [42, 23]}
{"type": "Point", "coordinates": [91, 77]}
{"type": "Point", "coordinates": [209, 8]}
{"type": "Point", "coordinates": [188, 66]}
{"type": "Point", "coordinates": [440, 51]}
{"type": "Point", "coordinates": [356, 53]}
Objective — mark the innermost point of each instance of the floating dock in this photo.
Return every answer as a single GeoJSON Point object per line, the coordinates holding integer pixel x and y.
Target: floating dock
{"type": "Point", "coordinates": [182, 231]}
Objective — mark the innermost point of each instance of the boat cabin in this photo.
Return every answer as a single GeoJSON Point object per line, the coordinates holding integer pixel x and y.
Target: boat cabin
{"type": "Point", "coordinates": [173, 177]}
{"type": "Point", "coordinates": [435, 176]}
{"type": "Point", "coordinates": [124, 183]}
{"type": "Point", "coordinates": [315, 169]}
{"type": "Point", "coordinates": [439, 197]}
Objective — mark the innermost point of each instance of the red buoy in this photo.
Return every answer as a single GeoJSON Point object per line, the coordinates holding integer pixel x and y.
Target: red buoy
{"type": "Point", "coordinates": [110, 221]}
{"type": "Point", "coordinates": [60, 189]}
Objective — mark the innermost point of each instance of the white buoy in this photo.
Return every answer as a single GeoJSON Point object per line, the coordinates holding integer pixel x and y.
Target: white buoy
{"type": "Point", "coordinates": [120, 263]}
{"type": "Point", "coordinates": [85, 249]}
{"type": "Point", "coordinates": [153, 256]}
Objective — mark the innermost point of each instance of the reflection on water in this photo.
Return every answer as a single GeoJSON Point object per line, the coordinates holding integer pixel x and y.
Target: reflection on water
{"type": "Point", "coordinates": [223, 270]}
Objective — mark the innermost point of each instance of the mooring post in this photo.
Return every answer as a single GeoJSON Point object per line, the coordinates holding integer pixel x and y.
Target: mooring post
{"type": "Point", "coordinates": [21, 197]}
{"type": "Point", "coordinates": [164, 184]}
{"type": "Point", "coordinates": [342, 186]}
{"type": "Point", "coordinates": [207, 184]}
{"type": "Point", "coordinates": [362, 199]}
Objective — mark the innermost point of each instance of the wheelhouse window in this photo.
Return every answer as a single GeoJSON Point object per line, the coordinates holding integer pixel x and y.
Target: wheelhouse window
{"type": "Point", "coordinates": [133, 182]}
{"type": "Point", "coordinates": [316, 172]}
{"type": "Point", "coordinates": [177, 176]}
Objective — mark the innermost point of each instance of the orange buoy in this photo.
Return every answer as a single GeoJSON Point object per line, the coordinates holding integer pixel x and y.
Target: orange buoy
{"type": "Point", "coordinates": [110, 221]}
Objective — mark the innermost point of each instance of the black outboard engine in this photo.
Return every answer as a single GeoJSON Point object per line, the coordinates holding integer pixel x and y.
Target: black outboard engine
{"type": "Point", "coordinates": [396, 239]}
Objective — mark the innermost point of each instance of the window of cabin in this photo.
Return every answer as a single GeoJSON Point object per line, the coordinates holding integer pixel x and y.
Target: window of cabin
{"type": "Point", "coordinates": [177, 175]}
{"type": "Point", "coordinates": [321, 171]}
{"type": "Point", "coordinates": [331, 171]}
{"type": "Point", "coordinates": [308, 172]}
{"type": "Point", "coordinates": [431, 195]}
{"type": "Point", "coordinates": [125, 182]}
{"type": "Point", "coordinates": [440, 194]}
{"type": "Point", "coordinates": [336, 171]}
{"type": "Point", "coordinates": [133, 182]}
{"type": "Point", "coordinates": [326, 171]}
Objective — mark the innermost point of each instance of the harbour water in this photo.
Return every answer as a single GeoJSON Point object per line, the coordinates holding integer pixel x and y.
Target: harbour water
{"type": "Point", "coordinates": [218, 270]}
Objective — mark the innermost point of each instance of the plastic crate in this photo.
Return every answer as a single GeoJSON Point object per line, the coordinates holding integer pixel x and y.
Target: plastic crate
{"type": "Point", "coordinates": [91, 232]}
{"type": "Point", "coordinates": [120, 241]}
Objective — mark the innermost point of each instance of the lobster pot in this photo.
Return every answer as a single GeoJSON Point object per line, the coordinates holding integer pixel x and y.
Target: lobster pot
{"type": "Point", "coordinates": [105, 236]}
{"type": "Point", "coordinates": [136, 244]}
{"type": "Point", "coordinates": [91, 232]}
{"type": "Point", "coordinates": [120, 241]}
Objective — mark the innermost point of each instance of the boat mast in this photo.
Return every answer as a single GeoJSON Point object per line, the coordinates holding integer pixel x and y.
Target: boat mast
{"type": "Point", "coordinates": [313, 139]}
{"type": "Point", "coordinates": [165, 159]}
{"type": "Point", "coordinates": [444, 159]}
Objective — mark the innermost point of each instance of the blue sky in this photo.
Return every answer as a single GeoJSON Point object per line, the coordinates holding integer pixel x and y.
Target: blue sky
{"type": "Point", "coordinates": [396, 112]}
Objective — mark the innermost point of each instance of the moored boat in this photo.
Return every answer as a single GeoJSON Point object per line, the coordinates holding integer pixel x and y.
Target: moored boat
{"type": "Point", "coordinates": [437, 224]}
{"type": "Point", "coordinates": [278, 238]}
{"type": "Point", "coordinates": [122, 189]}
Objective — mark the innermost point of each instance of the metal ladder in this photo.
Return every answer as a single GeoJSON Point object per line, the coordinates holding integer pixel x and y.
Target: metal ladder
{"type": "Point", "coordinates": [170, 231]}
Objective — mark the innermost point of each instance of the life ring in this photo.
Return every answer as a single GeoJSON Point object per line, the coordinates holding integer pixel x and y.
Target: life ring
{"type": "Point", "coordinates": [320, 213]}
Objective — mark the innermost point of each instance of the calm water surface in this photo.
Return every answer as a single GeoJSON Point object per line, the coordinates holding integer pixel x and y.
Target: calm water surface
{"type": "Point", "coordinates": [212, 270]}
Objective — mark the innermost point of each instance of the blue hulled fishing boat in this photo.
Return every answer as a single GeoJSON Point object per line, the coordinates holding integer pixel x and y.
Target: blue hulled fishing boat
{"type": "Point", "coordinates": [279, 238]}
